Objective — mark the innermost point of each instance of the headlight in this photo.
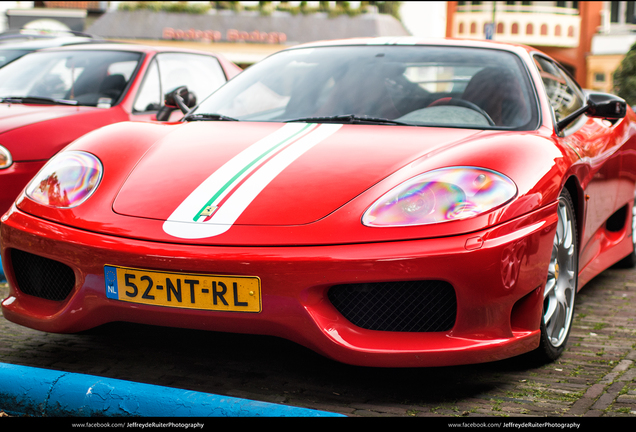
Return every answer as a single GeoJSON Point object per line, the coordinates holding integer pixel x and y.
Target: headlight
{"type": "Point", "coordinates": [5, 158]}
{"type": "Point", "coordinates": [67, 180]}
{"type": "Point", "coordinates": [441, 195]}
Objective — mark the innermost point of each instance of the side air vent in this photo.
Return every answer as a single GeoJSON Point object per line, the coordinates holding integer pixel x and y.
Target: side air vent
{"type": "Point", "coordinates": [412, 306]}
{"type": "Point", "coordinates": [42, 277]}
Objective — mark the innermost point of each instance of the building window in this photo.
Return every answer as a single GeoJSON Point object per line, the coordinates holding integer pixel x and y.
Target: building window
{"type": "Point", "coordinates": [557, 30]}
{"type": "Point", "coordinates": [529, 29]}
{"type": "Point", "coordinates": [515, 29]}
{"type": "Point", "coordinates": [544, 29]}
{"type": "Point", "coordinates": [500, 28]}
{"type": "Point", "coordinates": [622, 12]}
{"type": "Point", "coordinates": [473, 28]}
{"type": "Point", "coordinates": [571, 31]}
{"type": "Point", "coordinates": [461, 28]}
{"type": "Point", "coordinates": [629, 13]}
{"type": "Point", "coordinates": [599, 77]}
{"type": "Point", "coordinates": [567, 4]}
{"type": "Point", "coordinates": [614, 6]}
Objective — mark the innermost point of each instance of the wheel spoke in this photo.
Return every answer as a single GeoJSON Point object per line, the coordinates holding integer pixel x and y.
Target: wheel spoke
{"type": "Point", "coordinates": [558, 240]}
{"type": "Point", "coordinates": [549, 288]}
{"type": "Point", "coordinates": [571, 280]}
{"type": "Point", "coordinates": [549, 312]}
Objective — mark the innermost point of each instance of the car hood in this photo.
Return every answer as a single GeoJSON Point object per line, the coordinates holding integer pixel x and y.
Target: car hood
{"type": "Point", "coordinates": [37, 132]}
{"type": "Point", "coordinates": [17, 115]}
{"type": "Point", "coordinates": [206, 177]}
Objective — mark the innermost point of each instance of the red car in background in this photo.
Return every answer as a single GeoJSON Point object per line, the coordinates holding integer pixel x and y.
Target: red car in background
{"type": "Point", "coordinates": [384, 202]}
{"type": "Point", "coordinates": [51, 97]}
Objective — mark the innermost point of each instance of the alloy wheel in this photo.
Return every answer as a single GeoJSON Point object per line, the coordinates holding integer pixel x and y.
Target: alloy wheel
{"type": "Point", "coordinates": [560, 288]}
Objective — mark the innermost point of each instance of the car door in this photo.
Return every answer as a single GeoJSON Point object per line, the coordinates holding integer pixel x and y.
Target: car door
{"type": "Point", "coordinates": [202, 74]}
{"type": "Point", "coordinates": [595, 142]}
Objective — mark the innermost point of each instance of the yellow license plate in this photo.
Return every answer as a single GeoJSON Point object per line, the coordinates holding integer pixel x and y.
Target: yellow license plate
{"type": "Point", "coordinates": [183, 290]}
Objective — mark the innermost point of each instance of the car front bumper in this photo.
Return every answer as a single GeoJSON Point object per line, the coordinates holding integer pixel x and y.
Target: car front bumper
{"type": "Point", "coordinates": [498, 276]}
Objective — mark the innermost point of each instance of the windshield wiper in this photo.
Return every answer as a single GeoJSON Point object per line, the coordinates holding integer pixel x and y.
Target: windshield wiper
{"type": "Point", "coordinates": [349, 118]}
{"type": "Point", "coordinates": [37, 100]}
{"type": "Point", "coordinates": [208, 117]}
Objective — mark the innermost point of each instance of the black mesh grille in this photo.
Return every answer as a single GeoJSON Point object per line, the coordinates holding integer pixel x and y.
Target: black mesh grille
{"type": "Point", "coordinates": [413, 306]}
{"type": "Point", "coordinates": [42, 277]}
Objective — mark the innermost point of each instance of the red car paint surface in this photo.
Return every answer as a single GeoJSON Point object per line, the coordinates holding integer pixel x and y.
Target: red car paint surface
{"type": "Point", "coordinates": [304, 233]}
{"type": "Point", "coordinates": [34, 133]}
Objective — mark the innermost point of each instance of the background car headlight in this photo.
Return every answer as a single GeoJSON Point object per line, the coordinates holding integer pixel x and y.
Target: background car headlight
{"type": "Point", "coordinates": [67, 180]}
{"type": "Point", "coordinates": [441, 195]}
{"type": "Point", "coordinates": [5, 158]}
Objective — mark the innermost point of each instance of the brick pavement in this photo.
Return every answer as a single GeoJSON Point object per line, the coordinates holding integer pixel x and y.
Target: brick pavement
{"type": "Point", "coordinates": [596, 376]}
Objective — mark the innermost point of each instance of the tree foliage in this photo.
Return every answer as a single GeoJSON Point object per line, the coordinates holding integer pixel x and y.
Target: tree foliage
{"type": "Point", "coordinates": [264, 7]}
{"type": "Point", "coordinates": [625, 77]}
{"type": "Point", "coordinates": [388, 7]}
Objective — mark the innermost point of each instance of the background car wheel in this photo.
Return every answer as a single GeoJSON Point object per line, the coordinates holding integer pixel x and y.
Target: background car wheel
{"type": "Point", "coordinates": [630, 260]}
{"type": "Point", "coordinates": [560, 288]}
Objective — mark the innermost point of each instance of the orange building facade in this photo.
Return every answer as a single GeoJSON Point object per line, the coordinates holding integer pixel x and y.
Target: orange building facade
{"type": "Point", "coordinates": [562, 29]}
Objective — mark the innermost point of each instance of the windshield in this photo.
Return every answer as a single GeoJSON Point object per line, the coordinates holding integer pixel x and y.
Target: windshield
{"type": "Point", "coordinates": [84, 77]}
{"type": "Point", "coordinates": [8, 55]}
{"type": "Point", "coordinates": [413, 85]}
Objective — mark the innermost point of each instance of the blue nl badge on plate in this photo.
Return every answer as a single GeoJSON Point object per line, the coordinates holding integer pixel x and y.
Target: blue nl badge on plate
{"type": "Point", "coordinates": [110, 278]}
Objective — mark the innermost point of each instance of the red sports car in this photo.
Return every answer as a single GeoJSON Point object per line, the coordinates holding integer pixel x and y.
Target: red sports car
{"type": "Point", "coordinates": [52, 97]}
{"type": "Point", "coordinates": [384, 202]}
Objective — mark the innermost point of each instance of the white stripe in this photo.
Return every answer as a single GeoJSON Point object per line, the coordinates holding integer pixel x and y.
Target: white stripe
{"type": "Point", "coordinates": [385, 40]}
{"type": "Point", "coordinates": [238, 202]}
{"type": "Point", "coordinates": [230, 211]}
{"type": "Point", "coordinates": [407, 40]}
{"type": "Point", "coordinates": [193, 203]}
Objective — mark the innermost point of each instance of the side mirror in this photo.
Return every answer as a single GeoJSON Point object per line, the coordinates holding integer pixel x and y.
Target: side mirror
{"type": "Point", "coordinates": [179, 98]}
{"type": "Point", "coordinates": [606, 106]}
{"type": "Point", "coordinates": [600, 105]}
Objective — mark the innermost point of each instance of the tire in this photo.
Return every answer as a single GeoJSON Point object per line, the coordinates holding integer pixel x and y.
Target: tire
{"type": "Point", "coordinates": [562, 282]}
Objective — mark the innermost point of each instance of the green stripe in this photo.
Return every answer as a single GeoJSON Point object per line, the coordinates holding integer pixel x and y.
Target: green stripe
{"type": "Point", "coordinates": [248, 166]}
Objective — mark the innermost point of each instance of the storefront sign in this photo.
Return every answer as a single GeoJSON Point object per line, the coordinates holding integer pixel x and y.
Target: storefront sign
{"type": "Point", "coordinates": [231, 35]}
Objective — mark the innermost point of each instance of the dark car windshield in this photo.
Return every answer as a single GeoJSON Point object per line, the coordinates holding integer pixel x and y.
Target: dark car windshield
{"type": "Point", "coordinates": [84, 77]}
{"type": "Point", "coordinates": [413, 85]}
{"type": "Point", "coordinates": [8, 55]}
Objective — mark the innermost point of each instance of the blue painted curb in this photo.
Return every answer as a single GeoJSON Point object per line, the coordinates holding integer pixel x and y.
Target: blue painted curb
{"type": "Point", "coordinates": [47, 393]}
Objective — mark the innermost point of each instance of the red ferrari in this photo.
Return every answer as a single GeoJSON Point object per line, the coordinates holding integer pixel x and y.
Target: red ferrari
{"type": "Point", "coordinates": [52, 97]}
{"type": "Point", "coordinates": [384, 202]}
